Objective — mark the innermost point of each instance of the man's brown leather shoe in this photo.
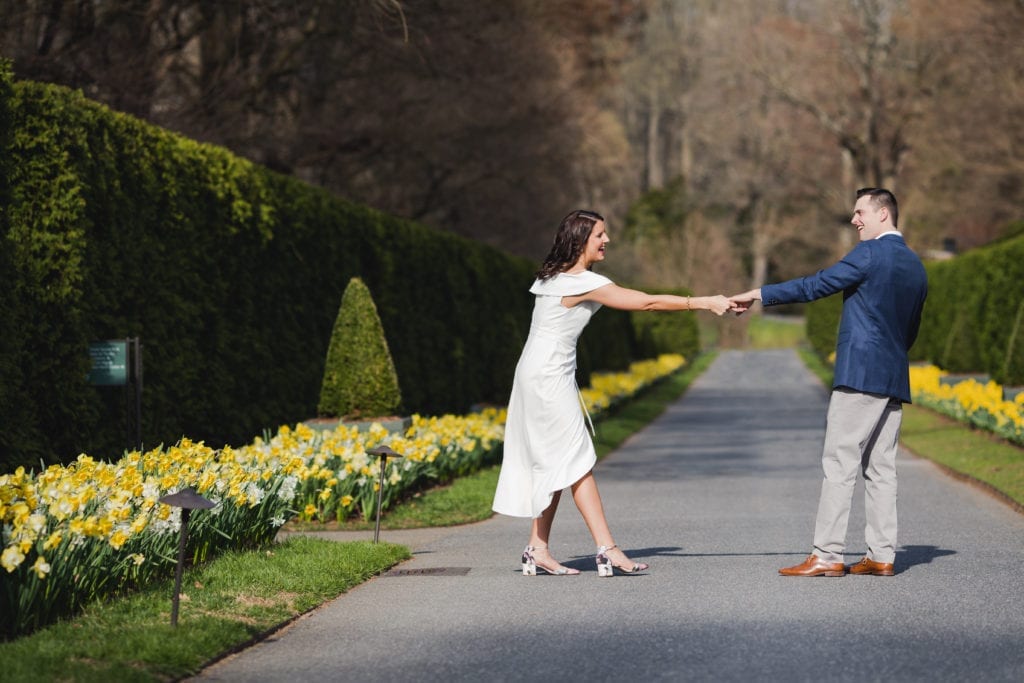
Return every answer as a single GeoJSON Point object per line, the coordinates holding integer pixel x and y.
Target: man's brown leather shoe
{"type": "Point", "coordinates": [815, 566]}
{"type": "Point", "coordinates": [866, 566]}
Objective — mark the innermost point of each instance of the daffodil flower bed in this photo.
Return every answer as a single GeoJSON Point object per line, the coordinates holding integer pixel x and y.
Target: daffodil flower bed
{"type": "Point", "coordinates": [969, 401]}
{"type": "Point", "coordinates": [80, 532]}
{"type": "Point", "coordinates": [609, 388]}
{"type": "Point", "coordinates": [336, 478]}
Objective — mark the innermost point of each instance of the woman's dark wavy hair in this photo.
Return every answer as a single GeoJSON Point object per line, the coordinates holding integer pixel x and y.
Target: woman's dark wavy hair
{"type": "Point", "coordinates": [572, 236]}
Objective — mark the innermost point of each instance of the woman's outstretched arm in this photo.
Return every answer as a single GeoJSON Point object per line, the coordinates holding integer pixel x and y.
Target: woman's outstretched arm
{"type": "Point", "coordinates": [614, 296]}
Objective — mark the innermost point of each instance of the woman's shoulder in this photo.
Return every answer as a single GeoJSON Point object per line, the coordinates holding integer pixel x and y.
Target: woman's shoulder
{"type": "Point", "coordinates": [569, 284]}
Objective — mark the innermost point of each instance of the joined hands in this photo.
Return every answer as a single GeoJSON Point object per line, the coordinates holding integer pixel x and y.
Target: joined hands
{"type": "Point", "coordinates": [741, 303]}
{"type": "Point", "coordinates": [720, 304]}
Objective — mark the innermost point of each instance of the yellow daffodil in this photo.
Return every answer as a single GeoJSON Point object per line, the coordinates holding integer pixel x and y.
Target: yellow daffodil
{"type": "Point", "coordinates": [53, 541]}
{"type": "Point", "coordinates": [971, 401]}
{"type": "Point", "coordinates": [11, 558]}
{"type": "Point", "coordinates": [118, 538]}
{"type": "Point", "coordinates": [41, 567]}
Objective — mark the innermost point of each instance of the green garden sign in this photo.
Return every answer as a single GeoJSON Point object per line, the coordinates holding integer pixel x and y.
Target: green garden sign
{"type": "Point", "coordinates": [118, 363]}
{"type": "Point", "coordinates": [109, 363]}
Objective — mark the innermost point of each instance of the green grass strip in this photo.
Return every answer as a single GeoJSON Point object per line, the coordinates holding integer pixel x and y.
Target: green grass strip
{"type": "Point", "coordinates": [982, 457]}
{"type": "Point", "coordinates": [816, 365]}
{"type": "Point", "coordinates": [775, 332]}
{"type": "Point", "coordinates": [226, 604]}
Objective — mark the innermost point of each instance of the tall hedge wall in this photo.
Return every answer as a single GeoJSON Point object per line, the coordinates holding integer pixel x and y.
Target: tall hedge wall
{"type": "Point", "coordinates": [231, 275]}
{"type": "Point", "coordinates": [973, 320]}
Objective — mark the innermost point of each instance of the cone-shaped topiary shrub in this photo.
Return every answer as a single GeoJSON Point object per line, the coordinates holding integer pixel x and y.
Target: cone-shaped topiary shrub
{"type": "Point", "coordinates": [359, 378]}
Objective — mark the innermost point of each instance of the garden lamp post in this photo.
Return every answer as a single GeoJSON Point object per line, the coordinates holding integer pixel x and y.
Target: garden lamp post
{"type": "Point", "coordinates": [382, 452]}
{"type": "Point", "coordinates": [187, 499]}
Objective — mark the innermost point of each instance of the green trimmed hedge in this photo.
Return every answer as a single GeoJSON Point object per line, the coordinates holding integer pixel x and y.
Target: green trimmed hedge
{"type": "Point", "coordinates": [822, 323]}
{"type": "Point", "coordinates": [231, 276]}
{"type": "Point", "coordinates": [973, 320]}
{"type": "Point", "coordinates": [359, 376]}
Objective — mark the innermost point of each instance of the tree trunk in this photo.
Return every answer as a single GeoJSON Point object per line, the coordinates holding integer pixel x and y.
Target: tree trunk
{"type": "Point", "coordinates": [654, 174]}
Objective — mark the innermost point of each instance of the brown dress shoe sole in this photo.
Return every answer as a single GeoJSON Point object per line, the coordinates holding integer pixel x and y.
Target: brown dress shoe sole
{"type": "Point", "coordinates": [817, 573]}
{"type": "Point", "coordinates": [813, 566]}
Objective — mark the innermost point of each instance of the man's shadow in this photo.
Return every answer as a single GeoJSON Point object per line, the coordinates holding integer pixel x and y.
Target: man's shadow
{"type": "Point", "coordinates": [912, 555]}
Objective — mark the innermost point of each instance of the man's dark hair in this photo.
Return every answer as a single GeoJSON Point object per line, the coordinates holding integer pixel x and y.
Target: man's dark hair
{"type": "Point", "coordinates": [881, 197]}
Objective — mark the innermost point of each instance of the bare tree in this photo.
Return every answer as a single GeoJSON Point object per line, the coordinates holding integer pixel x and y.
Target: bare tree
{"type": "Point", "coordinates": [880, 78]}
{"type": "Point", "coordinates": [658, 86]}
{"type": "Point", "coordinates": [494, 118]}
{"type": "Point", "coordinates": [968, 164]}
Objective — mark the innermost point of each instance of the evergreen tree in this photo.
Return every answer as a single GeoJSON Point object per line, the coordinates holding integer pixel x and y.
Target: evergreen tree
{"type": "Point", "coordinates": [359, 377]}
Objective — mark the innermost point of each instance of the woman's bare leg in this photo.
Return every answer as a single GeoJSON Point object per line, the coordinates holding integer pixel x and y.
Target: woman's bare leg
{"type": "Point", "coordinates": [541, 529]}
{"type": "Point", "coordinates": [539, 534]}
{"type": "Point", "coordinates": [588, 500]}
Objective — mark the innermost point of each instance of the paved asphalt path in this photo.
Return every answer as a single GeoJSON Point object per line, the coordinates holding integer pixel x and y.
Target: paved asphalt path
{"type": "Point", "coordinates": [716, 495]}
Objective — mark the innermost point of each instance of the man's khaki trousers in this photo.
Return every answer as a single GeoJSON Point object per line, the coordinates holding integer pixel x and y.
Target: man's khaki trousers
{"type": "Point", "coordinates": [863, 434]}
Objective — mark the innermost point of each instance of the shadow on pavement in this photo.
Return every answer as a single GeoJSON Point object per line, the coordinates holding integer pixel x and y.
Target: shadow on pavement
{"type": "Point", "coordinates": [911, 555]}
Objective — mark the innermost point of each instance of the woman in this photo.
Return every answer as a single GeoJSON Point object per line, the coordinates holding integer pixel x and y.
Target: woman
{"type": "Point", "coordinates": [547, 447]}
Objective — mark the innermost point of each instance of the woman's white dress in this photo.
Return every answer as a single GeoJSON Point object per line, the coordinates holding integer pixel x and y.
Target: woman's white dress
{"type": "Point", "coordinates": [547, 447]}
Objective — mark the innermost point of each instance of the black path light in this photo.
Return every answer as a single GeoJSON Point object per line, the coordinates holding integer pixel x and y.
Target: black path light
{"type": "Point", "coordinates": [187, 499]}
{"type": "Point", "coordinates": [382, 452]}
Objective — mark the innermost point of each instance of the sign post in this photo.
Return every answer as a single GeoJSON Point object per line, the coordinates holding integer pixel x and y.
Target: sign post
{"type": "Point", "coordinates": [109, 363]}
{"type": "Point", "coordinates": [115, 363]}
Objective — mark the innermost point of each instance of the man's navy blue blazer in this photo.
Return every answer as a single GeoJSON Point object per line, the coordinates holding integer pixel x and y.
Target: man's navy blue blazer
{"type": "Point", "coordinates": [884, 286]}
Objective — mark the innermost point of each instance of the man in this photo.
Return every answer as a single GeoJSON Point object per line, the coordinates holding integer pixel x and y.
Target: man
{"type": "Point", "coordinates": [884, 287]}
